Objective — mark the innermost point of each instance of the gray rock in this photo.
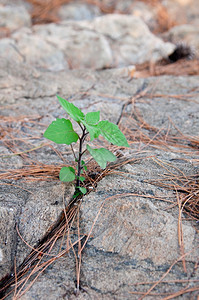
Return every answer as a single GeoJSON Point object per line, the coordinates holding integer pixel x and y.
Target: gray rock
{"type": "Point", "coordinates": [9, 51]}
{"type": "Point", "coordinates": [7, 236]}
{"type": "Point", "coordinates": [111, 40]}
{"type": "Point", "coordinates": [192, 11]}
{"type": "Point", "coordinates": [14, 3]}
{"type": "Point", "coordinates": [14, 17]}
{"type": "Point", "coordinates": [183, 12]}
{"type": "Point", "coordinates": [187, 33]}
{"type": "Point", "coordinates": [135, 237]}
{"type": "Point", "coordinates": [38, 52]}
{"type": "Point", "coordinates": [143, 10]}
{"type": "Point", "coordinates": [33, 209]}
{"type": "Point", "coordinates": [89, 50]}
{"type": "Point", "coordinates": [39, 213]}
{"type": "Point", "coordinates": [10, 95]}
{"type": "Point", "coordinates": [82, 48]}
{"type": "Point", "coordinates": [78, 11]}
{"type": "Point", "coordinates": [57, 48]}
{"type": "Point", "coordinates": [134, 226]}
{"type": "Point", "coordinates": [132, 42]}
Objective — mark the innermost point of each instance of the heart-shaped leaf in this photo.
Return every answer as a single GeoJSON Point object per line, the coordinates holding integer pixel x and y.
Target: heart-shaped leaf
{"type": "Point", "coordinates": [61, 132]}
{"type": "Point", "coordinates": [67, 174]}
{"type": "Point", "coordinates": [83, 190]}
{"type": "Point", "coordinates": [81, 178]}
{"type": "Point", "coordinates": [93, 130]}
{"type": "Point", "coordinates": [101, 156]}
{"type": "Point", "coordinates": [74, 112]}
{"type": "Point", "coordinates": [112, 133]}
{"type": "Point", "coordinates": [92, 118]}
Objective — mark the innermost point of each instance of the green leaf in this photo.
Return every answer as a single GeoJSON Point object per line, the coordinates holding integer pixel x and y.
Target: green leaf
{"type": "Point", "coordinates": [112, 133]}
{"type": "Point", "coordinates": [76, 194]}
{"type": "Point", "coordinates": [101, 156]}
{"type": "Point", "coordinates": [85, 168]}
{"type": "Point", "coordinates": [74, 112]}
{"type": "Point", "coordinates": [67, 174]}
{"type": "Point", "coordinates": [92, 118]}
{"type": "Point", "coordinates": [83, 190]}
{"type": "Point", "coordinates": [61, 132]}
{"type": "Point", "coordinates": [81, 178]}
{"type": "Point", "coordinates": [93, 130]}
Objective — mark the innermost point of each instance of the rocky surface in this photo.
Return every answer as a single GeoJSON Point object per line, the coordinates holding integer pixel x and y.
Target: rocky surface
{"type": "Point", "coordinates": [135, 237]}
{"type": "Point", "coordinates": [186, 33]}
{"type": "Point", "coordinates": [107, 41]}
{"type": "Point", "coordinates": [183, 11]}
{"type": "Point", "coordinates": [78, 11]}
{"type": "Point", "coordinates": [20, 18]}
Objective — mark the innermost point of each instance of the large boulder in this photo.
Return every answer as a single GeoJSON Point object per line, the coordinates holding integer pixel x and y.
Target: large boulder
{"type": "Point", "coordinates": [131, 40]}
{"type": "Point", "coordinates": [107, 41]}
{"type": "Point", "coordinates": [135, 237]}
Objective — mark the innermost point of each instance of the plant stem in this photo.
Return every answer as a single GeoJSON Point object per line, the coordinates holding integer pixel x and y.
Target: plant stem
{"type": "Point", "coordinates": [79, 164]}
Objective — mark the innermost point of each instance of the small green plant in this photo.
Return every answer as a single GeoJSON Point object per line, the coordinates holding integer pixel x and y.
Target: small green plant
{"type": "Point", "coordinates": [61, 132]}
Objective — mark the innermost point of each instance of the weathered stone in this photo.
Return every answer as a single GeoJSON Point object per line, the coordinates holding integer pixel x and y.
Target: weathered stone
{"type": "Point", "coordinates": [39, 213]}
{"type": "Point", "coordinates": [82, 48]}
{"type": "Point", "coordinates": [106, 41]}
{"type": "Point", "coordinates": [9, 51]}
{"type": "Point", "coordinates": [134, 226]}
{"type": "Point", "coordinates": [14, 3]}
{"type": "Point", "coordinates": [132, 42]}
{"type": "Point", "coordinates": [7, 236]}
{"type": "Point", "coordinates": [183, 11]}
{"type": "Point", "coordinates": [187, 33]}
{"type": "Point", "coordinates": [23, 81]}
{"type": "Point", "coordinates": [143, 10]}
{"type": "Point", "coordinates": [14, 17]}
{"type": "Point", "coordinates": [38, 52]}
{"type": "Point", "coordinates": [78, 11]}
{"type": "Point", "coordinates": [135, 237]}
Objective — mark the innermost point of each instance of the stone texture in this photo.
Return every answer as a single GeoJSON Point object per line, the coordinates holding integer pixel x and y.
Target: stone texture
{"type": "Point", "coordinates": [8, 49]}
{"type": "Point", "coordinates": [111, 40]}
{"type": "Point", "coordinates": [38, 52]}
{"type": "Point", "coordinates": [41, 211]}
{"type": "Point", "coordinates": [14, 17]}
{"type": "Point", "coordinates": [132, 42]}
{"type": "Point", "coordinates": [135, 236]}
{"type": "Point", "coordinates": [78, 11]}
{"type": "Point", "coordinates": [187, 33]}
{"type": "Point", "coordinates": [87, 49]}
{"type": "Point", "coordinates": [81, 47]}
{"type": "Point", "coordinates": [145, 11]}
{"type": "Point", "coordinates": [33, 210]}
{"type": "Point", "coordinates": [134, 226]}
{"type": "Point", "coordinates": [183, 11]}
{"type": "Point", "coordinates": [7, 237]}
{"type": "Point", "coordinates": [56, 47]}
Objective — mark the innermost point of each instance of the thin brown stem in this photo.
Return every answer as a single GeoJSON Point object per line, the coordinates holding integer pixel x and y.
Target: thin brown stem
{"type": "Point", "coordinates": [79, 163]}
